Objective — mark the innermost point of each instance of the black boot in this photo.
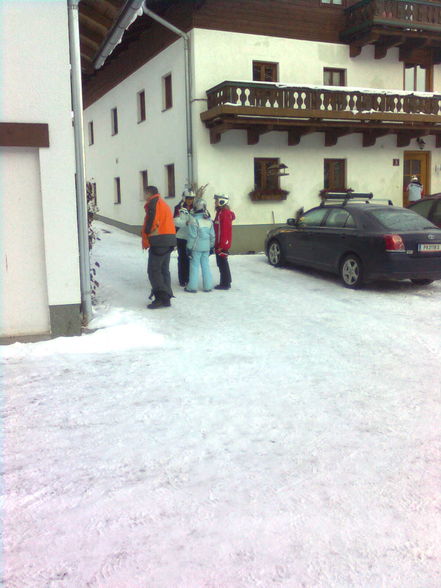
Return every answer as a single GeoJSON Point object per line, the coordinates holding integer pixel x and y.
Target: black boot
{"type": "Point", "coordinates": [157, 303]}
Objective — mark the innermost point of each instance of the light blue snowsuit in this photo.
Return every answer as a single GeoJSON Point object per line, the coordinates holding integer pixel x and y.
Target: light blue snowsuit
{"type": "Point", "coordinates": [200, 241]}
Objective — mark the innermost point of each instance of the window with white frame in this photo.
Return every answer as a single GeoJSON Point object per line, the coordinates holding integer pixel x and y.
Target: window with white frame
{"type": "Point", "coordinates": [114, 120]}
{"type": "Point", "coordinates": [90, 133]}
{"type": "Point", "coordinates": [117, 191]}
{"type": "Point", "coordinates": [167, 92]}
{"type": "Point", "coordinates": [140, 98]}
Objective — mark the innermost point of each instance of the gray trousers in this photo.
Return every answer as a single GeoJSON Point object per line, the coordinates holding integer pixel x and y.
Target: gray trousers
{"type": "Point", "coordinates": [158, 271]}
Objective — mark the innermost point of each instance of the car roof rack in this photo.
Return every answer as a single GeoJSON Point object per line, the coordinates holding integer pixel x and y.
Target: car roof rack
{"type": "Point", "coordinates": [365, 197]}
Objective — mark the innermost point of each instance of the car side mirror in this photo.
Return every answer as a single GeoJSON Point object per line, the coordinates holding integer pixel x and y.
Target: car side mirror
{"type": "Point", "coordinates": [292, 222]}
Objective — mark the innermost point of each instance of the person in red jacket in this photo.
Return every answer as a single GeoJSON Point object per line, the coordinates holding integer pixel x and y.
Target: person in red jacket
{"type": "Point", "coordinates": [223, 231]}
{"type": "Point", "coordinates": [159, 236]}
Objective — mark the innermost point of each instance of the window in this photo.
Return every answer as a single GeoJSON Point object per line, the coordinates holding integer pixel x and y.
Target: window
{"type": "Point", "coordinates": [114, 120]}
{"type": "Point", "coordinates": [313, 218]}
{"type": "Point", "coordinates": [334, 77]}
{"type": "Point", "coordinates": [417, 78]}
{"type": "Point", "coordinates": [339, 218]}
{"type": "Point", "coordinates": [117, 197]}
{"type": "Point", "coordinates": [336, 2]}
{"type": "Point", "coordinates": [90, 133]}
{"type": "Point", "coordinates": [141, 105]}
{"type": "Point", "coordinates": [170, 172]}
{"type": "Point", "coordinates": [144, 182]}
{"type": "Point", "coordinates": [167, 91]}
{"type": "Point", "coordinates": [264, 71]}
{"type": "Point", "coordinates": [264, 176]}
{"type": "Point", "coordinates": [335, 175]}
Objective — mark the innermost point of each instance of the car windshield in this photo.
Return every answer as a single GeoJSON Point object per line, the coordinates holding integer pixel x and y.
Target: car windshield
{"type": "Point", "coordinates": [399, 219]}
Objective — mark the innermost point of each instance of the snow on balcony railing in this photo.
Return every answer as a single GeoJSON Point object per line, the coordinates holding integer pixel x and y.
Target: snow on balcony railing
{"type": "Point", "coordinates": [324, 98]}
{"type": "Point", "coordinates": [407, 14]}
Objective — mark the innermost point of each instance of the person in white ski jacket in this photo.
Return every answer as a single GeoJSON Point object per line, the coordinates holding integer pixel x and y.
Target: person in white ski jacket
{"type": "Point", "coordinates": [415, 189]}
{"type": "Point", "coordinates": [200, 243]}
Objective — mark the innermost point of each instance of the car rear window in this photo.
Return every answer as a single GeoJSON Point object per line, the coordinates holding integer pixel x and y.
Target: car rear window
{"type": "Point", "coordinates": [399, 219]}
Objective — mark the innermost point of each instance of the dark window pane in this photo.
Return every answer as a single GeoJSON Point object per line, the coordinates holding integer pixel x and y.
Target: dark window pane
{"type": "Point", "coordinates": [400, 220]}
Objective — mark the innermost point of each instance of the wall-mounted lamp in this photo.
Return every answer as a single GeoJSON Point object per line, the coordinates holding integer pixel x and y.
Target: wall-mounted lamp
{"type": "Point", "coordinates": [421, 143]}
{"type": "Point", "coordinates": [437, 169]}
{"type": "Point", "coordinates": [278, 169]}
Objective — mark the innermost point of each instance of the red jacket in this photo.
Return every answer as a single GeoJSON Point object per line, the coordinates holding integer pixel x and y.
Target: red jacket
{"type": "Point", "coordinates": [223, 228]}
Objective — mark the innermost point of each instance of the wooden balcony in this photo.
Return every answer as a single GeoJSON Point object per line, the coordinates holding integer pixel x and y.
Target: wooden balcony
{"type": "Point", "coordinates": [261, 107]}
{"type": "Point", "coordinates": [411, 25]}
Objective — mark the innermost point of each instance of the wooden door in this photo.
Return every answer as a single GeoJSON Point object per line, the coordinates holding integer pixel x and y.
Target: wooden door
{"type": "Point", "coordinates": [416, 163]}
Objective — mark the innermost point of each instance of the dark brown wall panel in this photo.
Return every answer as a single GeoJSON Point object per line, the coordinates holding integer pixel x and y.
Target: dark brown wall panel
{"type": "Point", "coordinates": [24, 135]}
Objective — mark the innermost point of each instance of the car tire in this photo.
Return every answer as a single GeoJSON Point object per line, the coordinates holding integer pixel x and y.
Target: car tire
{"type": "Point", "coordinates": [275, 255]}
{"type": "Point", "coordinates": [421, 282]}
{"type": "Point", "coordinates": [351, 271]}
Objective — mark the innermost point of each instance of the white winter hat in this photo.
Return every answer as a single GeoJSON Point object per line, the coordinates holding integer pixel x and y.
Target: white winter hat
{"type": "Point", "coordinates": [221, 199]}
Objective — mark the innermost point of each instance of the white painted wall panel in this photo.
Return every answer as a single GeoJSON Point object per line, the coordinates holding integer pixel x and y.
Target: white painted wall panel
{"type": "Point", "coordinates": [35, 81]}
{"type": "Point", "coordinates": [24, 300]}
{"type": "Point", "coordinates": [158, 141]}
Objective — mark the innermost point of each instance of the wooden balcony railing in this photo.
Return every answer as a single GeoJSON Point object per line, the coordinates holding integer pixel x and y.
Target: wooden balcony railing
{"type": "Point", "coordinates": [323, 102]}
{"type": "Point", "coordinates": [402, 14]}
{"type": "Point", "coordinates": [259, 107]}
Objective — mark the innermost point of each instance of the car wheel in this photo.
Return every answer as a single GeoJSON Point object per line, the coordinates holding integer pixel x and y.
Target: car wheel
{"type": "Point", "coordinates": [351, 271]}
{"type": "Point", "coordinates": [275, 255]}
{"type": "Point", "coordinates": [422, 282]}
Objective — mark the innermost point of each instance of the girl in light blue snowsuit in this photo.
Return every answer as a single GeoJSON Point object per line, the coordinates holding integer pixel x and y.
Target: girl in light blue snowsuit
{"type": "Point", "coordinates": [199, 243]}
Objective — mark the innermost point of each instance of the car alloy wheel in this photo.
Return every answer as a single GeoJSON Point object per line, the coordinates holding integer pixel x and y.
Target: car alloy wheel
{"type": "Point", "coordinates": [275, 256]}
{"type": "Point", "coordinates": [351, 272]}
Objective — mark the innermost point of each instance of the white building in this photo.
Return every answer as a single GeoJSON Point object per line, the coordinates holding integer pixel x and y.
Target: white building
{"type": "Point", "coordinates": [343, 102]}
{"type": "Point", "coordinates": [41, 292]}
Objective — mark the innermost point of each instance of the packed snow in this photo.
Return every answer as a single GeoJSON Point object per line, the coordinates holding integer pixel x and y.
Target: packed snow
{"type": "Point", "coordinates": [283, 433]}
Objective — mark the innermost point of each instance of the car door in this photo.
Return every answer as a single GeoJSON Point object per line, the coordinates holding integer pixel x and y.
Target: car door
{"type": "Point", "coordinates": [303, 244]}
{"type": "Point", "coordinates": [336, 237]}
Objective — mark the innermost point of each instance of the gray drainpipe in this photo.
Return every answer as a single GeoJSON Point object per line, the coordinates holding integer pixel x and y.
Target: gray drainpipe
{"type": "Point", "coordinates": [188, 117]}
{"type": "Point", "coordinates": [80, 182]}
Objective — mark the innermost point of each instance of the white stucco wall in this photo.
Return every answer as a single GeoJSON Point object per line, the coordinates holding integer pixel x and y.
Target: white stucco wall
{"type": "Point", "coordinates": [35, 81]}
{"type": "Point", "coordinates": [150, 145]}
{"type": "Point", "coordinates": [228, 166]}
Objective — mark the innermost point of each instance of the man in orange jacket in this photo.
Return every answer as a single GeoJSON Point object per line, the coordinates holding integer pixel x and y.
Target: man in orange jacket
{"type": "Point", "coordinates": [159, 236]}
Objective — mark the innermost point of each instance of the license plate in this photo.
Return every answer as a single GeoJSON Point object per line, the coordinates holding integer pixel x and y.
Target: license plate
{"type": "Point", "coordinates": [429, 247]}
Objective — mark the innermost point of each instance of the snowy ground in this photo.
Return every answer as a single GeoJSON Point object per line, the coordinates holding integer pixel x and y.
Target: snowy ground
{"type": "Point", "coordinates": [283, 433]}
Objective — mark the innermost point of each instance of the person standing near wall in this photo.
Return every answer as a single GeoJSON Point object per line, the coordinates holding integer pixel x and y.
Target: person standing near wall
{"type": "Point", "coordinates": [159, 236]}
{"type": "Point", "coordinates": [415, 189]}
{"type": "Point", "coordinates": [223, 228]}
{"type": "Point", "coordinates": [181, 219]}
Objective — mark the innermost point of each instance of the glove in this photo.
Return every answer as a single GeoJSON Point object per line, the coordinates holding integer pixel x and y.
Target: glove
{"type": "Point", "coordinates": [189, 253]}
{"type": "Point", "coordinates": [211, 251]}
{"type": "Point", "coordinates": [183, 211]}
{"type": "Point", "coordinates": [222, 253]}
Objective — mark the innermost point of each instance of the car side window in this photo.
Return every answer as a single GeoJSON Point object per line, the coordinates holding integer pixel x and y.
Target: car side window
{"type": "Point", "coordinates": [339, 218]}
{"type": "Point", "coordinates": [423, 207]}
{"type": "Point", "coordinates": [436, 216]}
{"type": "Point", "coordinates": [313, 218]}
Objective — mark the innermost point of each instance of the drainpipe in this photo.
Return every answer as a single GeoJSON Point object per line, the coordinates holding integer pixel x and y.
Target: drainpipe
{"type": "Point", "coordinates": [125, 18]}
{"type": "Point", "coordinates": [188, 117]}
{"type": "Point", "coordinates": [80, 183]}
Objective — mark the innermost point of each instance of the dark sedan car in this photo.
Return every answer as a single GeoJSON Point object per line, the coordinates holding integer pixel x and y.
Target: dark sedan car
{"type": "Point", "coordinates": [429, 207]}
{"type": "Point", "coordinates": [360, 241]}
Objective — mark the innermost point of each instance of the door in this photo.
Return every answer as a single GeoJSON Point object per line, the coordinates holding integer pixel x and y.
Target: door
{"type": "Point", "coordinates": [416, 163]}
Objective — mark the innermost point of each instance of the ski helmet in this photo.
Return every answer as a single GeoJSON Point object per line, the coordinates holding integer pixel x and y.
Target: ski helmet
{"type": "Point", "coordinates": [222, 200]}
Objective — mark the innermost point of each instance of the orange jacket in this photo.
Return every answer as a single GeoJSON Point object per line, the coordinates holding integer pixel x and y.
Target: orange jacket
{"type": "Point", "coordinates": [158, 228]}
